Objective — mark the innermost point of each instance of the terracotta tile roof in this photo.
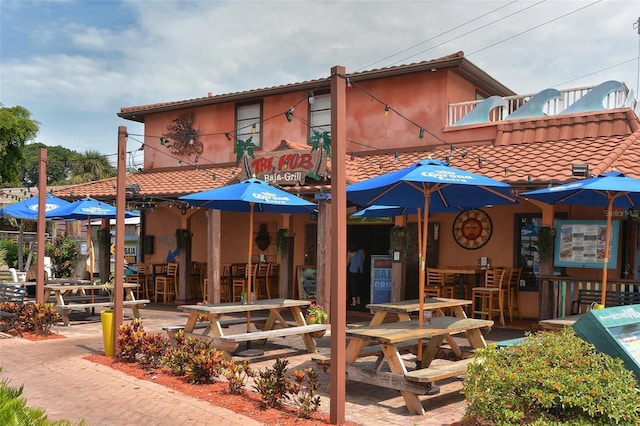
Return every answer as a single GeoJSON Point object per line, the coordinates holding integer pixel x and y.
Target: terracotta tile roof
{"type": "Point", "coordinates": [159, 183]}
{"type": "Point", "coordinates": [542, 149]}
{"type": "Point", "coordinates": [456, 61]}
{"type": "Point", "coordinates": [532, 152]}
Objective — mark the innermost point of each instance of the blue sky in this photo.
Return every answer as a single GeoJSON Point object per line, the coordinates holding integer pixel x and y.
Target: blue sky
{"type": "Point", "coordinates": [75, 63]}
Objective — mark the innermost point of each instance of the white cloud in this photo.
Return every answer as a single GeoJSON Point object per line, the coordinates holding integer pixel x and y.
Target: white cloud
{"type": "Point", "coordinates": [82, 69]}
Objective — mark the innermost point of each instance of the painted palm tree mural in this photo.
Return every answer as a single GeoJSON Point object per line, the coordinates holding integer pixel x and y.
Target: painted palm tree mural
{"type": "Point", "coordinates": [316, 139]}
{"type": "Point", "coordinates": [244, 150]}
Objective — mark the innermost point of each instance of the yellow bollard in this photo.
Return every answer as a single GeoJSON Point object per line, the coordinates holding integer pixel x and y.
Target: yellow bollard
{"type": "Point", "coordinates": [107, 319]}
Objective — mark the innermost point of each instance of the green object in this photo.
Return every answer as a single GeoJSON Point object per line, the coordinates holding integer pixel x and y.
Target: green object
{"type": "Point", "coordinates": [614, 331]}
{"type": "Point", "coordinates": [108, 331]}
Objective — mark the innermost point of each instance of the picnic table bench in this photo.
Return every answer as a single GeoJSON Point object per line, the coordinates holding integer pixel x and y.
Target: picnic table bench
{"type": "Point", "coordinates": [85, 299]}
{"type": "Point", "coordinates": [275, 325]}
{"type": "Point", "coordinates": [390, 337]}
{"type": "Point", "coordinates": [224, 323]}
{"type": "Point", "coordinates": [15, 294]}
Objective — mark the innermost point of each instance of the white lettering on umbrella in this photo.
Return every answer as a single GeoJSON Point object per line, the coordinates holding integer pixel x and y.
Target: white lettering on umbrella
{"type": "Point", "coordinates": [94, 210]}
{"type": "Point", "coordinates": [47, 207]}
{"type": "Point", "coordinates": [270, 197]}
{"type": "Point", "coordinates": [447, 176]}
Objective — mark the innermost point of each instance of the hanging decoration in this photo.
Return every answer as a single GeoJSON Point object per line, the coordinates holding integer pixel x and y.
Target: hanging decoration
{"type": "Point", "coordinates": [183, 138]}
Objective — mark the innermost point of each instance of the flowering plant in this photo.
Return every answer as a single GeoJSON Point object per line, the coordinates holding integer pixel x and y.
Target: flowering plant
{"type": "Point", "coordinates": [63, 252]}
{"type": "Point", "coordinates": [318, 313]}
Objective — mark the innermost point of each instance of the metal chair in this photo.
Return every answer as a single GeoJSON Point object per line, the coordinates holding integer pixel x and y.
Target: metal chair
{"type": "Point", "coordinates": [167, 285]}
{"type": "Point", "coordinates": [495, 292]}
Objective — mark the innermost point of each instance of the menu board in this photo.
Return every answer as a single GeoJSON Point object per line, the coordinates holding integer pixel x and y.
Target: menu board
{"type": "Point", "coordinates": [380, 279]}
{"type": "Point", "coordinates": [614, 331]}
{"type": "Point", "coordinates": [581, 243]}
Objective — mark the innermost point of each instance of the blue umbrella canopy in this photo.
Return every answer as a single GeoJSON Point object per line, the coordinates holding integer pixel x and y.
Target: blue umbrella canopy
{"type": "Point", "coordinates": [429, 185]}
{"type": "Point", "coordinates": [446, 187]}
{"type": "Point", "coordinates": [28, 208]}
{"type": "Point", "coordinates": [612, 189]}
{"type": "Point", "coordinates": [88, 208]}
{"type": "Point", "coordinates": [248, 196]}
{"type": "Point", "coordinates": [377, 210]}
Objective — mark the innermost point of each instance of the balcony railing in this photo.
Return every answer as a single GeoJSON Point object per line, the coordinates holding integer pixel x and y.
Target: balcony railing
{"type": "Point", "coordinates": [554, 106]}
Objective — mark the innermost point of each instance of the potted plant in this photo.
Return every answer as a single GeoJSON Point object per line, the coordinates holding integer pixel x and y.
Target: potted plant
{"type": "Point", "coordinates": [316, 315]}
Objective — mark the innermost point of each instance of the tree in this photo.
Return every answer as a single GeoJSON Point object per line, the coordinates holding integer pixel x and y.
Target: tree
{"type": "Point", "coordinates": [89, 167]}
{"type": "Point", "coordinates": [57, 164]}
{"type": "Point", "coordinates": [16, 128]}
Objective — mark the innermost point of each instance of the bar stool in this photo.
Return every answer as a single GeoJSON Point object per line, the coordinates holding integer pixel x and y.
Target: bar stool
{"type": "Point", "coordinates": [240, 281]}
{"type": "Point", "coordinates": [167, 285]}
{"type": "Point", "coordinates": [495, 292]}
{"type": "Point", "coordinates": [437, 284]}
{"type": "Point", "coordinates": [273, 281]}
{"type": "Point", "coordinates": [142, 277]}
{"type": "Point", "coordinates": [514, 293]}
{"type": "Point", "coordinates": [260, 281]}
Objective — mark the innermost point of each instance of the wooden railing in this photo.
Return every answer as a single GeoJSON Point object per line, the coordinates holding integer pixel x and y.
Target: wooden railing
{"type": "Point", "coordinates": [557, 293]}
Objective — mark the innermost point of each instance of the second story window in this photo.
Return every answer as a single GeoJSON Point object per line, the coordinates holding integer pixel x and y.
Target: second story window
{"type": "Point", "coordinates": [249, 123]}
{"type": "Point", "coordinates": [320, 114]}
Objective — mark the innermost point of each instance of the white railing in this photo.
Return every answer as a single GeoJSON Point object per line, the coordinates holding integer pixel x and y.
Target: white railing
{"type": "Point", "coordinates": [554, 106]}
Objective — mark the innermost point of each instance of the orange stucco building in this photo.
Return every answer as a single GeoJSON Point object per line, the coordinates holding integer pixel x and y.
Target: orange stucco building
{"type": "Point", "coordinates": [446, 108]}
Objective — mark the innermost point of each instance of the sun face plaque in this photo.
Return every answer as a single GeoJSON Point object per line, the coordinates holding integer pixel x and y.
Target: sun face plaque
{"type": "Point", "coordinates": [472, 229]}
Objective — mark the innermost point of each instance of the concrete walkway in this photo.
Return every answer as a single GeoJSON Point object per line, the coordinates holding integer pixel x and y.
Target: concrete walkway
{"type": "Point", "coordinates": [58, 379]}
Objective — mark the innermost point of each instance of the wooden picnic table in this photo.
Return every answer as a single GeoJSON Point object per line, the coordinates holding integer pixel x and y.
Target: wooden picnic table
{"type": "Point", "coordinates": [390, 336]}
{"type": "Point", "coordinates": [70, 297]}
{"type": "Point", "coordinates": [404, 309]}
{"type": "Point", "coordinates": [229, 343]}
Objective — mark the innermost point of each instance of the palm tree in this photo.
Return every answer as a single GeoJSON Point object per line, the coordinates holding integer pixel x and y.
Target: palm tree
{"type": "Point", "coordinates": [90, 166]}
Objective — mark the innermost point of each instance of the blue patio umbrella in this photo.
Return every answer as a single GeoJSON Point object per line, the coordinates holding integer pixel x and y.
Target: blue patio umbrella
{"type": "Point", "coordinates": [27, 209]}
{"type": "Point", "coordinates": [248, 196]}
{"type": "Point", "coordinates": [86, 209]}
{"type": "Point", "coordinates": [612, 189]}
{"type": "Point", "coordinates": [429, 185]}
{"type": "Point", "coordinates": [377, 210]}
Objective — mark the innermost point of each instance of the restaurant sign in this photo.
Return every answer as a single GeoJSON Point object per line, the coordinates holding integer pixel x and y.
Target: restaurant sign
{"type": "Point", "coordinates": [286, 167]}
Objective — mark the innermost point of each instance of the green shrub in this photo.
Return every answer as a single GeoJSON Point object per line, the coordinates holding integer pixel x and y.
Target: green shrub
{"type": "Point", "coordinates": [153, 347]}
{"type": "Point", "coordinates": [204, 366]}
{"type": "Point", "coordinates": [39, 318]}
{"type": "Point", "coordinates": [272, 384]}
{"type": "Point", "coordinates": [303, 387]}
{"type": "Point", "coordinates": [9, 254]}
{"type": "Point", "coordinates": [130, 340]}
{"type": "Point", "coordinates": [550, 378]}
{"type": "Point", "coordinates": [237, 375]}
{"type": "Point", "coordinates": [63, 252]}
{"type": "Point", "coordinates": [176, 358]}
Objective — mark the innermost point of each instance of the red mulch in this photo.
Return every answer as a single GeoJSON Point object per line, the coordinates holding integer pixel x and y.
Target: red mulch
{"type": "Point", "coordinates": [37, 337]}
{"type": "Point", "coordinates": [247, 404]}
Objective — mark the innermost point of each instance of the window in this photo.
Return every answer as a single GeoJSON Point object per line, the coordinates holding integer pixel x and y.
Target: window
{"type": "Point", "coordinates": [249, 123]}
{"type": "Point", "coordinates": [320, 114]}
